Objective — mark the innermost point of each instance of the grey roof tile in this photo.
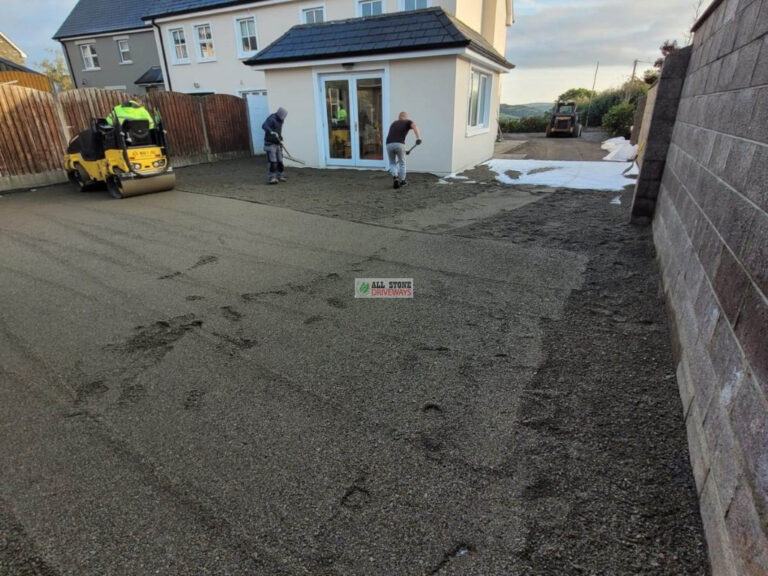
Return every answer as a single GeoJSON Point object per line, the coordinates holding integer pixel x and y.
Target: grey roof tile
{"type": "Point", "coordinates": [428, 29]}
{"type": "Point", "coordinates": [99, 16]}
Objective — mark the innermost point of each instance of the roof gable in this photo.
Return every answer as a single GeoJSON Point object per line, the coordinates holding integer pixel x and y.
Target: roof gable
{"type": "Point", "coordinates": [411, 31]}
{"type": "Point", "coordinates": [12, 45]}
{"type": "Point", "coordinates": [100, 16]}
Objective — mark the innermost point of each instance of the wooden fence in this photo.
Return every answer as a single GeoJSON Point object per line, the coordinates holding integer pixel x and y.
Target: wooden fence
{"type": "Point", "coordinates": [26, 79]}
{"type": "Point", "coordinates": [36, 126]}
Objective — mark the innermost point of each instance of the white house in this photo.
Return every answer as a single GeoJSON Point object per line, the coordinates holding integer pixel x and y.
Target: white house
{"type": "Point", "coordinates": [440, 60]}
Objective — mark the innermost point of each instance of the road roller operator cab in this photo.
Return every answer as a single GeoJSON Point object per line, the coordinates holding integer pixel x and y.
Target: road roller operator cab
{"type": "Point", "coordinates": [130, 158]}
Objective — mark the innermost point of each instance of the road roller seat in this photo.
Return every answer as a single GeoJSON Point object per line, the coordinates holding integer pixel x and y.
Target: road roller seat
{"type": "Point", "coordinates": [137, 132]}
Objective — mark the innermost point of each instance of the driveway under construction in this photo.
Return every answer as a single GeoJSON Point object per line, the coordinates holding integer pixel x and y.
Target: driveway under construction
{"type": "Point", "coordinates": [188, 386]}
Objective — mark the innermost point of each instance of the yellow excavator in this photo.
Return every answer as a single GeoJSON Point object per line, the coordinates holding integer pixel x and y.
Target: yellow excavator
{"type": "Point", "coordinates": [130, 158]}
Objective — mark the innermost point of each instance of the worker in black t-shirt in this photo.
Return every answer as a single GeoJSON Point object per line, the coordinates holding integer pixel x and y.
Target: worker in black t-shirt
{"type": "Point", "coordinates": [396, 147]}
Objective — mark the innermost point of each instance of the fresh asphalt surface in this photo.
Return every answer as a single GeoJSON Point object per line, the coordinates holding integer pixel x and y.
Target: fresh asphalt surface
{"type": "Point", "coordinates": [187, 386]}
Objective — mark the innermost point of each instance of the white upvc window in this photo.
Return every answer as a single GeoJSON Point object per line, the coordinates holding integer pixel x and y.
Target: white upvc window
{"type": "Point", "coordinates": [370, 7]}
{"type": "Point", "coordinates": [204, 42]}
{"type": "Point", "coordinates": [480, 85]}
{"type": "Point", "coordinates": [179, 51]}
{"type": "Point", "coordinates": [90, 58]}
{"type": "Point", "coordinates": [414, 4]}
{"type": "Point", "coordinates": [124, 49]}
{"type": "Point", "coordinates": [313, 15]}
{"type": "Point", "coordinates": [247, 41]}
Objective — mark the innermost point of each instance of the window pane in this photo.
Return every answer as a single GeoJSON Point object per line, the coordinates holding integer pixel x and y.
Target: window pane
{"type": "Point", "coordinates": [473, 99]}
{"type": "Point", "coordinates": [205, 41]}
{"type": "Point", "coordinates": [482, 94]}
{"type": "Point", "coordinates": [337, 116]}
{"type": "Point", "coordinates": [371, 8]}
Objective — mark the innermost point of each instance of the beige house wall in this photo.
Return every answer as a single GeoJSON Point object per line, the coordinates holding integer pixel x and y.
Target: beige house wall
{"type": "Point", "coordinates": [472, 146]}
{"type": "Point", "coordinates": [228, 75]}
{"type": "Point", "coordinates": [423, 87]}
{"type": "Point", "coordinates": [293, 89]}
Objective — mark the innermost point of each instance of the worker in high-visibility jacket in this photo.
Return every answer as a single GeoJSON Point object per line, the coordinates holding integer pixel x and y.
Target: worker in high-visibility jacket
{"type": "Point", "coordinates": [133, 109]}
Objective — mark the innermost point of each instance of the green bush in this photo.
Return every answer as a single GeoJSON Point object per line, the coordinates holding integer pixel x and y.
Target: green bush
{"type": "Point", "coordinates": [532, 124]}
{"type": "Point", "coordinates": [618, 120]}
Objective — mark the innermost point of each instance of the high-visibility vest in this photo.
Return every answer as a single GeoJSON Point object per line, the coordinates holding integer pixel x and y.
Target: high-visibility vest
{"type": "Point", "coordinates": [131, 111]}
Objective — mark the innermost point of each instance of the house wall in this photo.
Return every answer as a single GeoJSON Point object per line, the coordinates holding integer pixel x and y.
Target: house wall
{"type": "Point", "coordinates": [112, 73]}
{"type": "Point", "coordinates": [293, 89]}
{"type": "Point", "coordinates": [470, 149]}
{"type": "Point", "coordinates": [711, 233]}
{"type": "Point", "coordinates": [228, 75]}
{"type": "Point", "coordinates": [8, 52]}
{"type": "Point", "coordinates": [431, 108]}
{"type": "Point", "coordinates": [424, 88]}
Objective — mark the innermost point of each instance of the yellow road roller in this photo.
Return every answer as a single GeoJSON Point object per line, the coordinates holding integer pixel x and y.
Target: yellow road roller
{"type": "Point", "coordinates": [130, 158]}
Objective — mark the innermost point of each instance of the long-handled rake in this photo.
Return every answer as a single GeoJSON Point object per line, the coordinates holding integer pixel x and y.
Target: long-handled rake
{"type": "Point", "coordinates": [412, 147]}
{"type": "Point", "coordinates": [291, 158]}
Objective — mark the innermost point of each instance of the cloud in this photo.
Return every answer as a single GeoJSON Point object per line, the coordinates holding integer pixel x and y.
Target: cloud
{"type": "Point", "coordinates": [557, 33]}
{"type": "Point", "coordinates": [31, 23]}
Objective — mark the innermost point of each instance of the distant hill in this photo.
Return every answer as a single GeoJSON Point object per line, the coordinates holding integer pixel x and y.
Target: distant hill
{"type": "Point", "coordinates": [526, 110]}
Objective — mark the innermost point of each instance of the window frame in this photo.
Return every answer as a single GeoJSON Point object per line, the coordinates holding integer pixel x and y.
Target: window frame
{"type": "Point", "coordinates": [360, 3]}
{"type": "Point", "coordinates": [304, 9]}
{"type": "Point", "coordinates": [404, 9]}
{"type": "Point", "coordinates": [239, 37]}
{"type": "Point", "coordinates": [484, 101]}
{"type": "Point", "coordinates": [175, 60]}
{"type": "Point", "coordinates": [94, 56]}
{"type": "Point", "coordinates": [120, 51]}
{"type": "Point", "coordinates": [198, 46]}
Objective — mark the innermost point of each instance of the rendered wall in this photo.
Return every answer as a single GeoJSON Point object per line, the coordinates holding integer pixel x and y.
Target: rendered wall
{"type": "Point", "coordinates": [113, 74]}
{"type": "Point", "coordinates": [711, 233]}
{"type": "Point", "coordinates": [228, 75]}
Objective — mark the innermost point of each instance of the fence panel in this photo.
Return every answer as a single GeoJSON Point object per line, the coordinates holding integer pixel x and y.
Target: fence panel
{"type": "Point", "coordinates": [35, 128]}
{"type": "Point", "coordinates": [31, 137]}
{"type": "Point", "coordinates": [182, 121]}
{"type": "Point", "coordinates": [82, 105]}
{"type": "Point", "coordinates": [226, 123]}
{"type": "Point", "coordinates": [26, 80]}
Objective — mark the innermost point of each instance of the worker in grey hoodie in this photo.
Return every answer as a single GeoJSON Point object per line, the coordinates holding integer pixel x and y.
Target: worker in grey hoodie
{"type": "Point", "coordinates": [273, 144]}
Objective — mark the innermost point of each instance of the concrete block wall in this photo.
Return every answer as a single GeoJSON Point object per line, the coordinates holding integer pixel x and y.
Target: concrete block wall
{"type": "Point", "coordinates": [655, 134]}
{"type": "Point", "coordinates": [711, 232]}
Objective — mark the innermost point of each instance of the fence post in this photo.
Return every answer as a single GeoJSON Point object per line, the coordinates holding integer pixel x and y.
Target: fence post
{"type": "Point", "coordinates": [65, 132]}
{"type": "Point", "coordinates": [206, 145]}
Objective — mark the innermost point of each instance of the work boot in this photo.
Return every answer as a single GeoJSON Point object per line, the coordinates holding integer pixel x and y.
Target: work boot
{"type": "Point", "coordinates": [273, 180]}
{"type": "Point", "coordinates": [395, 183]}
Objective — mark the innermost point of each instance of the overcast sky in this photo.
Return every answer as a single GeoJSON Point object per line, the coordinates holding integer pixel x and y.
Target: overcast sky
{"type": "Point", "coordinates": [554, 43]}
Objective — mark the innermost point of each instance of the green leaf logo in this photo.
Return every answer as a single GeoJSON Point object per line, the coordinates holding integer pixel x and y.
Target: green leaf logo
{"type": "Point", "coordinates": [365, 288]}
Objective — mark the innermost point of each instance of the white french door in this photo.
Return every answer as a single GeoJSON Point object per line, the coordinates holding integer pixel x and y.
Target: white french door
{"type": "Point", "coordinates": [352, 123]}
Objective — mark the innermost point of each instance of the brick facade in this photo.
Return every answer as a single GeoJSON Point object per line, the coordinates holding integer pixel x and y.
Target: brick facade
{"type": "Point", "coordinates": [711, 231]}
{"type": "Point", "coordinates": [9, 52]}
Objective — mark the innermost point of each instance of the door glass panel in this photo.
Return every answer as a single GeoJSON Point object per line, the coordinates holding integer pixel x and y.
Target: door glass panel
{"type": "Point", "coordinates": [337, 114]}
{"type": "Point", "coordinates": [369, 118]}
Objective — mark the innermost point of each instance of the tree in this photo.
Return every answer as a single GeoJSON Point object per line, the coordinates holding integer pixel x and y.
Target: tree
{"type": "Point", "coordinates": [576, 94]}
{"type": "Point", "coordinates": [619, 119]}
{"type": "Point", "coordinates": [666, 49]}
{"type": "Point", "coordinates": [650, 76]}
{"type": "Point", "coordinates": [56, 70]}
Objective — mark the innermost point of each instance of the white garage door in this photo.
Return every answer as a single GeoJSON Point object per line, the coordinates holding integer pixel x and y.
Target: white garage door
{"type": "Point", "coordinates": [258, 110]}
